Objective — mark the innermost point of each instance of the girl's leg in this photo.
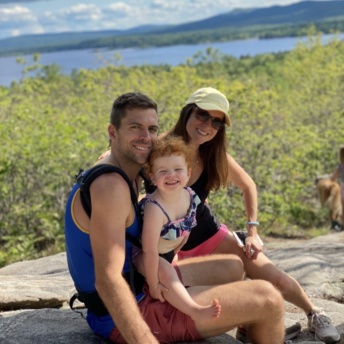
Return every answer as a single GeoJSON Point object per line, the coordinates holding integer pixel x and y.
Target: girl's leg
{"type": "Point", "coordinates": [263, 268]}
{"type": "Point", "coordinates": [178, 296]}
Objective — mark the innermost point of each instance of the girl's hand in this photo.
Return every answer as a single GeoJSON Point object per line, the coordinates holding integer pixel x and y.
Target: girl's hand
{"type": "Point", "coordinates": [252, 247]}
{"type": "Point", "coordinates": [157, 291]}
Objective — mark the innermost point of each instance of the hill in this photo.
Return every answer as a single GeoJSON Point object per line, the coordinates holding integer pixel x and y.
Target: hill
{"type": "Point", "coordinates": [298, 13]}
{"type": "Point", "coordinates": [274, 21]}
{"type": "Point", "coordinates": [47, 39]}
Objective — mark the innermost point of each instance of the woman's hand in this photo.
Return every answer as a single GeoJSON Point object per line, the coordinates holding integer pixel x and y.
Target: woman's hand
{"type": "Point", "coordinates": [252, 247]}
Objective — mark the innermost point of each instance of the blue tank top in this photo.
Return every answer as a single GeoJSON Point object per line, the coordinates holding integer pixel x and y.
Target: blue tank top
{"type": "Point", "coordinates": [80, 262]}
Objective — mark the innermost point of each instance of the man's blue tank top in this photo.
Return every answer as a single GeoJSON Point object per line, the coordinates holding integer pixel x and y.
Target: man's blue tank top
{"type": "Point", "coordinates": [80, 261]}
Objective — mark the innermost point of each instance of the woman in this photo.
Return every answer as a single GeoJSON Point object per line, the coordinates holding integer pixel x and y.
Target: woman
{"type": "Point", "coordinates": [202, 124]}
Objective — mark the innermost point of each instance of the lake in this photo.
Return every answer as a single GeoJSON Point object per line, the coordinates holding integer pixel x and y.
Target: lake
{"type": "Point", "coordinates": [172, 55]}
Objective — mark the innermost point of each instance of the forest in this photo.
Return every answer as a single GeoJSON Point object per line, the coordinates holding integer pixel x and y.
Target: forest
{"type": "Point", "coordinates": [287, 114]}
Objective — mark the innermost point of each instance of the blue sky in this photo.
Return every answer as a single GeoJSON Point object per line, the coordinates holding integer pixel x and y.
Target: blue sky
{"type": "Point", "coordinates": [50, 16]}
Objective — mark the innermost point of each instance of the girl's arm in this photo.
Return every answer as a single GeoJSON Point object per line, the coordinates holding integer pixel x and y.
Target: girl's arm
{"type": "Point", "coordinates": [153, 221]}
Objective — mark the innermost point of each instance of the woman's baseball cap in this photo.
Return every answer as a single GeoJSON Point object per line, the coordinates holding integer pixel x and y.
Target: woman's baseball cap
{"type": "Point", "coordinates": [208, 98]}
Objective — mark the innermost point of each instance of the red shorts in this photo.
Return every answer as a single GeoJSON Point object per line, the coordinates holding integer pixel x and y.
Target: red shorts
{"type": "Point", "coordinates": [208, 246]}
{"type": "Point", "coordinates": [166, 322]}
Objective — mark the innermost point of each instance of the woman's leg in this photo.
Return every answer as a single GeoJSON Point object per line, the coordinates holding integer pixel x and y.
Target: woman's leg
{"type": "Point", "coordinates": [263, 268]}
{"type": "Point", "coordinates": [212, 269]}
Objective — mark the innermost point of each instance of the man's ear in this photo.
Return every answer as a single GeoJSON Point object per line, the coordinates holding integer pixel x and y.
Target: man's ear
{"type": "Point", "coordinates": [111, 131]}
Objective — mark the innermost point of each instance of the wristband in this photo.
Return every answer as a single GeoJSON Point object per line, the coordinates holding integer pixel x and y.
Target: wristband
{"type": "Point", "coordinates": [253, 223]}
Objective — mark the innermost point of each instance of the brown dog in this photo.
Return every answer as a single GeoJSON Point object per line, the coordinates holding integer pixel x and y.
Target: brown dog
{"type": "Point", "coordinates": [329, 195]}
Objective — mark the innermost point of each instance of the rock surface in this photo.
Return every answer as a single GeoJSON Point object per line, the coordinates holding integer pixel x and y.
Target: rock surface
{"type": "Point", "coordinates": [33, 307]}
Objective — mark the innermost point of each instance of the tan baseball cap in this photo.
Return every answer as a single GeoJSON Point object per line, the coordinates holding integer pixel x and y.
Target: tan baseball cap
{"type": "Point", "coordinates": [208, 98]}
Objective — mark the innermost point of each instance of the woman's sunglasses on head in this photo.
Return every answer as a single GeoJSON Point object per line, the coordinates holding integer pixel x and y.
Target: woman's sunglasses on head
{"type": "Point", "coordinates": [203, 116]}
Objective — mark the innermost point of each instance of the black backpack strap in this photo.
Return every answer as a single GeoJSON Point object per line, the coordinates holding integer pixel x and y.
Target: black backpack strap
{"type": "Point", "coordinates": [94, 303]}
{"type": "Point", "coordinates": [85, 179]}
{"type": "Point", "coordinates": [135, 280]}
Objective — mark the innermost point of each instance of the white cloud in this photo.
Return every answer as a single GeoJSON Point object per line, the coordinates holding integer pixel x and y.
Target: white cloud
{"type": "Point", "coordinates": [32, 30]}
{"type": "Point", "coordinates": [120, 15]}
{"type": "Point", "coordinates": [121, 7]}
{"type": "Point", "coordinates": [81, 12]}
{"type": "Point", "coordinates": [16, 14]}
{"type": "Point", "coordinates": [80, 17]}
{"type": "Point", "coordinates": [18, 20]}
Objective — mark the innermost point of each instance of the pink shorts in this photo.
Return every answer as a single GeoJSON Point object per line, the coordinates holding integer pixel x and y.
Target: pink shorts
{"type": "Point", "coordinates": [166, 322]}
{"type": "Point", "coordinates": [208, 246]}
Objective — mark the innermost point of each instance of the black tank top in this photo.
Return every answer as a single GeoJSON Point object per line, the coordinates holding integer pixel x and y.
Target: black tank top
{"type": "Point", "coordinates": [207, 223]}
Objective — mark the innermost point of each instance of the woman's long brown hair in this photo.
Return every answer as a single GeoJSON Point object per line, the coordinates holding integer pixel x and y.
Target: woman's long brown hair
{"type": "Point", "coordinates": [212, 153]}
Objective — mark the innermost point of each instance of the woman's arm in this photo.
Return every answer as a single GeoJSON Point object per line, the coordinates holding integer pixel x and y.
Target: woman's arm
{"type": "Point", "coordinates": [240, 178]}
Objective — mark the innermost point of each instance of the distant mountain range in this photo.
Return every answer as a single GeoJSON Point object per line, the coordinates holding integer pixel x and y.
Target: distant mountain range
{"type": "Point", "coordinates": [239, 20]}
{"type": "Point", "coordinates": [302, 12]}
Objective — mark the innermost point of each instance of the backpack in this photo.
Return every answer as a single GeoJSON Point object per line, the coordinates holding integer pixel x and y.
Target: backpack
{"type": "Point", "coordinates": [85, 179]}
{"type": "Point", "coordinates": [135, 280]}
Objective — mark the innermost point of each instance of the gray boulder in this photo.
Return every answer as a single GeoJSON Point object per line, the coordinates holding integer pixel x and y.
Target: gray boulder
{"type": "Point", "coordinates": [34, 294]}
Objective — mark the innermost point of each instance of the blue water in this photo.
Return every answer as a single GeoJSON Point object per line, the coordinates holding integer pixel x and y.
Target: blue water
{"type": "Point", "coordinates": [10, 70]}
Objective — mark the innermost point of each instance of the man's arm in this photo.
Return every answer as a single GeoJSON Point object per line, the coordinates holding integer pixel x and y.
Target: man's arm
{"type": "Point", "coordinates": [111, 210]}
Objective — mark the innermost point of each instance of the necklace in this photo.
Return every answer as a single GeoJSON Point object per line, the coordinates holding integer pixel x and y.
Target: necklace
{"type": "Point", "coordinates": [196, 158]}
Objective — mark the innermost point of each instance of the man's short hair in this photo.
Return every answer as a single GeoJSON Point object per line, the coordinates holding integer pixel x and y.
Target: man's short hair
{"type": "Point", "coordinates": [128, 101]}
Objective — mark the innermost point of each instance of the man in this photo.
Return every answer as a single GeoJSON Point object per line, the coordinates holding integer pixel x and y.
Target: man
{"type": "Point", "coordinates": [99, 254]}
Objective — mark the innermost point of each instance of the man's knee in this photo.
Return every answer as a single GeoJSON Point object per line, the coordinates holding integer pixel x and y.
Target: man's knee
{"type": "Point", "coordinates": [271, 298]}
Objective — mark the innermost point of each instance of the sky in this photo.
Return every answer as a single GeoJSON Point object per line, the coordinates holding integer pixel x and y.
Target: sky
{"type": "Point", "coordinates": [52, 16]}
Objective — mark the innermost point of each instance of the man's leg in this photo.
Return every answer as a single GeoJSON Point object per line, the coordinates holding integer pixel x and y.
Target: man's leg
{"type": "Point", "coordinates": [254, 303]}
